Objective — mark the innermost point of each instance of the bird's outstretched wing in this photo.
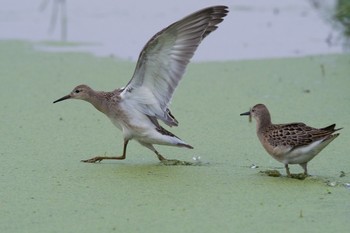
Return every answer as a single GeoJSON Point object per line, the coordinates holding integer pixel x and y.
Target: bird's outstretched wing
{"type": "Point", "coordinates": [163, 61]}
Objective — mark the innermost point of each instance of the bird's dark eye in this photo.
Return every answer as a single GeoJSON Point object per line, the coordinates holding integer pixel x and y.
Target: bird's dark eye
{"type": "Point", "coordinates": [77, 91]}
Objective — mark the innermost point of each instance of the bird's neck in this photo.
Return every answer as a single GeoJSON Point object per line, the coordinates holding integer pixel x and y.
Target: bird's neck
{"type": "Point", "coordinates": [99, 101]}
{"type": "Point", "coordinates": [263, 123]}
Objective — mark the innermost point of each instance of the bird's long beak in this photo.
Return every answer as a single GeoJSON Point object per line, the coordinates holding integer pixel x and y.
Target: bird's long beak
{"type": "Point", "coordinates": [63, 98]}
{"type": "Point", "coordinates": [242, 114]}
{"type": "Point", "coordinates": [247, 114]}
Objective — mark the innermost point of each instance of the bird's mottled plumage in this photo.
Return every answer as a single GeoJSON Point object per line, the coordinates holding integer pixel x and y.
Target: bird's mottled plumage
{"type": "Point", "coordinates": [294, 143]}
{"type": "Point", "coordinates": [137, 108]}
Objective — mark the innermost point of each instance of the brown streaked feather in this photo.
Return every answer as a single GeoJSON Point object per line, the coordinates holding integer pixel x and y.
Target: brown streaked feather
{"type": "Point", "coordinates": [295, 134]}
{"type": "Point", "coordinates": [331, 128]}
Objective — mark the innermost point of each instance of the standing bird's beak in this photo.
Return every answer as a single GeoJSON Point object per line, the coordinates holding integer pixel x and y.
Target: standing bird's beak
{"type": "Point", "coordinates": [242, 114]}
{"type": "Point", "coordinates": [247, 114]}
{"type": "Point", "coordinates": [63, 98]}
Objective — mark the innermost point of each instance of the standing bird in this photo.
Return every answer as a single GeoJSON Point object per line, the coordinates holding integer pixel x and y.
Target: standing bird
{"type": "Point", "coordinates": [294, 143]}
{"type": "Point", "coordinates": [136, 108]}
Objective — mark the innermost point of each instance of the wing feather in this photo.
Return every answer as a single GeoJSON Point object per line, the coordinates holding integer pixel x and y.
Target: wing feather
{"type": "Point", "coordinates": [297, 134]}
{"type": "Point", "coordinates": [163, 61]}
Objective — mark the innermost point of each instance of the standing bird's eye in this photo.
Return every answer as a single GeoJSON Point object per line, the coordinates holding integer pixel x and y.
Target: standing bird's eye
{"type": "Point", "coordinates": [77, 91]}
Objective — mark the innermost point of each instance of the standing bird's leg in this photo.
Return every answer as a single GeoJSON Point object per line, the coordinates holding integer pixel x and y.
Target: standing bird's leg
{"type": "Point", "coordinates": [100, 158]}
{"type": "Point", "coordinates": [287, 170]}
{"type": "Point", "coordinates": [304, 166]}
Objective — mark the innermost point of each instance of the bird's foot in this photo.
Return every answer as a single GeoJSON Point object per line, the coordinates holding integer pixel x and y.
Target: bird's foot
{"type": "Point", "coordinates": [299, 176]}
{"type": "Point", "coordinates": [93, 160]}
{"type": "Point", "coordinates": [100, 158]}
{"type": "Point", "coordinates": [273, 173]}
{"type": "Point", "coordinates": [175, 162]}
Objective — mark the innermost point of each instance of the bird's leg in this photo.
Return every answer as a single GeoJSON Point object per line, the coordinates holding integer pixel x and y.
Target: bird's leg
{"type": "Point", "coordinates": [100, 158]}
{"type": "Point", "coordinates": [304, 166]}
{"type": "Point", "coordinates": [171, 162]}
{"type": "Point", "coordinates": [160, 157]}
{"type": "Point", "coordinates": [287, 170]}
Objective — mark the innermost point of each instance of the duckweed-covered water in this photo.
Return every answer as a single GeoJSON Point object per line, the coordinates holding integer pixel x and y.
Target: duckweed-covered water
{"type": "Point", "coordinates": [45, 188]}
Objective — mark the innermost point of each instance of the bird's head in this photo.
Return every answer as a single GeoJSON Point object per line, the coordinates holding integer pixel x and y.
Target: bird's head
{"type": "Point", "coordinates": [81, 92]}
{"type": "Point", "coordinates": [258, 112]}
